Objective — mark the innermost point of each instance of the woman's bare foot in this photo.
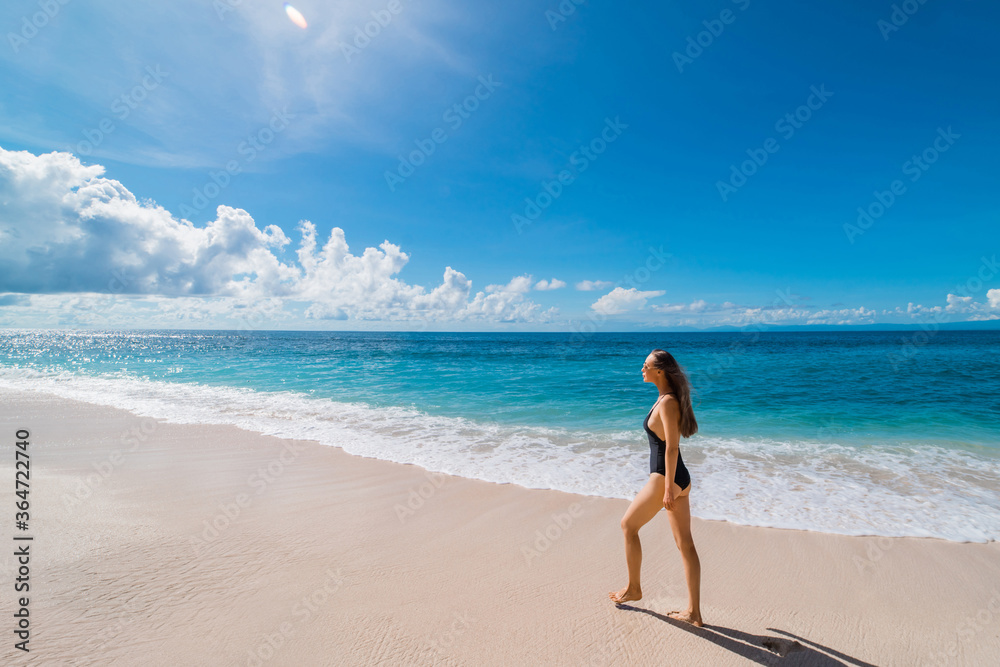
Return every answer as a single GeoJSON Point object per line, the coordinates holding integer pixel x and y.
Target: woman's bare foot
{"type": "Point", "coordinates": [687, 617]}
{"type": "Point", "coordinates": [627, 594]}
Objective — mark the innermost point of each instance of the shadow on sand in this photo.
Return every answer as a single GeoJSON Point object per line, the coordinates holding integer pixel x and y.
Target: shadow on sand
{"type": "Point", "coordinates": [763, 649]}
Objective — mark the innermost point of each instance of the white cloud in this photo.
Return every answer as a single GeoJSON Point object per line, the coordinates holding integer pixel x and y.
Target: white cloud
{"type": "Point", "coordinates": [620, 300]}
{"type": "Point", "coordinates": [68, 229]}
{"type": "Point", "coordinates": [697, 306]}
{"type": "Point", "coordinates": [964, 306]}
{"type": "Point", "coordinates": [109, 310]}
{"type": "Point", "coordinates": [958, 303]}
{"type": "Point", "coordinates": [593, 285]}
{"type": "Point", "coordinates": [517, 285]}
{"type": "Point", "coordinates": [957, 308]}
{"type": "Point", "coordinates": [859, 315]}
{"type": "Point", "coordinates": [73, 228]}
{"type": "Point", "coordinates": [15, 300]}
{"type": "Point", "coordinates": [555, 283]}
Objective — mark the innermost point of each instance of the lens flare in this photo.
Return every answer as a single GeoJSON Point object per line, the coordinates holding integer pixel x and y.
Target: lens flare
{"type": "Point", "coordinates": [296, 16]}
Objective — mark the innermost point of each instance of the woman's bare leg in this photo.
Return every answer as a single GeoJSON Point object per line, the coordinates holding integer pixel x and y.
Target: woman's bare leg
{"type": "Point", "coordinates": [680, 524]}
{"type": "Point", "coordinates": [647, 503]}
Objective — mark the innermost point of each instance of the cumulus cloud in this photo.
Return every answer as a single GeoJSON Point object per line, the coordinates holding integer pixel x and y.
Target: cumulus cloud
{"type": "Point", "coordinates": [699, 313]}
{"type": "Point", "coordinates": [109, 310]}
{"type": "Point", "coordinates": [555, 283]}
{"type": "Point", "coordinates": [71, 228]}
{"type": "Point", "coordinates": [67, 229]}
{"type": "Point", "coordinates": [620, 300]}
{"type": "Point", "coordinates": [859, 315]}
{"type": "Point", "coordinates": [956, 305]}
{"type": "Point", "coordinates": [696, 306]}
{"type": "Point", "coordinates": [517, 285]}
{"type": "Point", "coordinates": [593, 285]}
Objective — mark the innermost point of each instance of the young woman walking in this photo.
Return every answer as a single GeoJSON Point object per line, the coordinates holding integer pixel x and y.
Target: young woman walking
{"type": "Point", "coordinates": [673, 417]}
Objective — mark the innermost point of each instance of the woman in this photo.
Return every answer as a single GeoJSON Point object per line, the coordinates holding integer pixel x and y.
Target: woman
{"type": "Point", "coordinates": [672, 416]}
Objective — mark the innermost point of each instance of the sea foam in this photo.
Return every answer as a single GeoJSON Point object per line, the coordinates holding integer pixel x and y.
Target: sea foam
{"type": "Point", "coordinates": [886, 490]}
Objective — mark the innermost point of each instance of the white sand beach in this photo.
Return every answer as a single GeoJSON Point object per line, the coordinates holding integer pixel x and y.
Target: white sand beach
{"type": "Point", "coordinates": [168, 544]}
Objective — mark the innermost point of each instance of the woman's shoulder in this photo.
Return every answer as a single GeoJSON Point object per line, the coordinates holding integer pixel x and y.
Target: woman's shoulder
{"type": "Point", "coordinates": [669, 402]}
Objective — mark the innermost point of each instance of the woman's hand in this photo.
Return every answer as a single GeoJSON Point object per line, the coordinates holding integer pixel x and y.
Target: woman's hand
{"type": "Point", "coordinates": [668, 498]}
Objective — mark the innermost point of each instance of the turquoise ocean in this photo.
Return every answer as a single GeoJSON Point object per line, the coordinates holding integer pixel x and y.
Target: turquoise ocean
{"type": "Point", "coordinates": [858, 433]}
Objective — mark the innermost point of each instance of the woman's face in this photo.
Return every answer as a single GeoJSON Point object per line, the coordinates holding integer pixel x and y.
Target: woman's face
{"type": "Point", "coordinates": [648, 372]}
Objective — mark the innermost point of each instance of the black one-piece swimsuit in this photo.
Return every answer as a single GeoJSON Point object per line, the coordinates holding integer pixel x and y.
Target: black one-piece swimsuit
{"type": "Point", "coordinates": [658, 454]}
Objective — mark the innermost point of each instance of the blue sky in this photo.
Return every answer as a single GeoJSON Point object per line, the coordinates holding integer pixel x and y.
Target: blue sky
{"type": "Point", "coordinates": [687, 91]}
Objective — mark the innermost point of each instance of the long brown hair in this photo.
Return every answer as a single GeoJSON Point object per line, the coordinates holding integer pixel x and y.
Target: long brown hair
{"type": "Point", "coordinates": [678, 381]}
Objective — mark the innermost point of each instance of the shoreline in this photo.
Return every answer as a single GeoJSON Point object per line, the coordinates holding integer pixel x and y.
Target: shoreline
{"type": "Point", "coordinates": [752, 481]}
{"type": "Point", "coordinates": [208, 543]}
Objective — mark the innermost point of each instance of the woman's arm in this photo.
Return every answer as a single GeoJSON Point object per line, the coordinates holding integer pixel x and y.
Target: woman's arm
{"type": "Point", "coordinates": [670, 417]}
